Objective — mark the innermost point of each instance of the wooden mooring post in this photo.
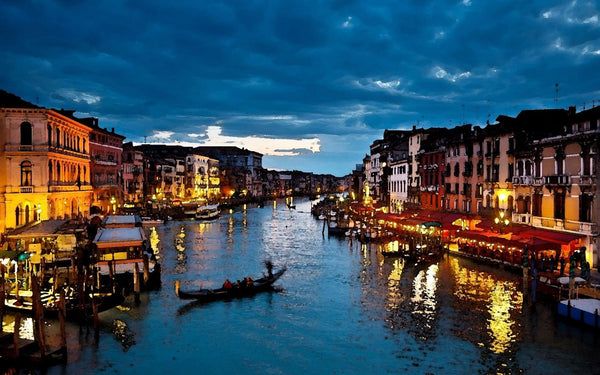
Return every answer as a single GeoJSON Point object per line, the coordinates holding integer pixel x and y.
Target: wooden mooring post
{"type": "Point", "coordinates": [136, 283]}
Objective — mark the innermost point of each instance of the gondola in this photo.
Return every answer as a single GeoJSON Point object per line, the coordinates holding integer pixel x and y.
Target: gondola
{"type": "Point", "coordinates": [262, 284]}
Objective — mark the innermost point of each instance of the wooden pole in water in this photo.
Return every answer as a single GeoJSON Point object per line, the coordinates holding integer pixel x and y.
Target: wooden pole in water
{"type": "Point", "coordinates": [2, 294]}
{"type": "Point", "coordinates": [146, 269]}
{"type": "Point", "coordinates": [96, 321]}
{"type": "Point", "coordinates": [38, 313]}
{"type": "Point", "coordinates": [111, 275]}
{"type": "Point", "coordinates": [62, 306]}
{"type": "Point", "coordinates": [16, 334]}
{"type": "Point", "coordinates": [136, 283]}
{"type": "Point", "coordinates": [55, 280]}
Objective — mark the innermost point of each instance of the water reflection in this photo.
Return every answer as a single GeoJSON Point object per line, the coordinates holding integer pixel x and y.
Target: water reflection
{"type": "Point", "coordinates": [154, 241]}
{"type": "Point", "coordinates": [479, 293]}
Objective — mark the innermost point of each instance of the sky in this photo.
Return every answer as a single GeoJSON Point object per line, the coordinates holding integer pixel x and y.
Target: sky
{"type": "Point", "coordinates": [309, 84]}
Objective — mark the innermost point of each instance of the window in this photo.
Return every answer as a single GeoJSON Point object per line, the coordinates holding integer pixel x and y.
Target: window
{"type": "Point", "coordinates": [49, 135]}
{"type": "Point", "coordinates": [26, 138]}
{"type": "Point", "coordinates": [26, 172]}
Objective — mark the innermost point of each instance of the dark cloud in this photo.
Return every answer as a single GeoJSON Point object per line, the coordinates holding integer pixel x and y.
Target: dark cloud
{"type": "Point", "coordinates": [338, 71]}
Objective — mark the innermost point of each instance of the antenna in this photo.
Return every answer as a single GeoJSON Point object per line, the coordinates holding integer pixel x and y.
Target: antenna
{"type": "Point", "coordinates": [555, 94]}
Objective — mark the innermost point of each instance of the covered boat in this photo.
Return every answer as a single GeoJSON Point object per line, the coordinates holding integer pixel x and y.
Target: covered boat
{"type": "Point", "coordinates": [262, 284]}
{"type": "Point", "coordinates": [208, 212]}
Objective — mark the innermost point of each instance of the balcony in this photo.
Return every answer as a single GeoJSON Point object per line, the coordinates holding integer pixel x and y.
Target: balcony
{"type": "Point", "coordinates": [582, 180]}
{"type": "Point", "coordinates": [26, 189]}
{"type": "Point", "coordinates": [579, 227]}
{"type": "Point", "coordinates": [557, 180]}
{"type": "Point", "coordinates": [537, 181]}
{"type": "Point", "coordinates": [522, 180]}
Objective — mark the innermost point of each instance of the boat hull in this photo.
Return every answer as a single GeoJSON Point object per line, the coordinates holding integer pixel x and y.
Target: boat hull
{"type": "Point", "coordinates": [208, 295]}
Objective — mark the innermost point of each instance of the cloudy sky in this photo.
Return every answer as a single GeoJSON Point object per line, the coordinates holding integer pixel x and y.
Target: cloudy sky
{"type": "Point", "coordinates": [309, 84]}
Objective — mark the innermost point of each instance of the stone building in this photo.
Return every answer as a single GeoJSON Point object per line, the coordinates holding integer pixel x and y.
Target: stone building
{"type": "Point", "coordinates": [45, 160]}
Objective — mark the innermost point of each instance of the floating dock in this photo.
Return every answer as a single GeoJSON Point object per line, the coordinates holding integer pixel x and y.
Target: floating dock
{"type": "Point", "coordinates": [581, 310]}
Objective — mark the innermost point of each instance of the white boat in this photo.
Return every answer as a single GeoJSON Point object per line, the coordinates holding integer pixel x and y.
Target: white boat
{"type": "Point", "coordinates": [208, 212]}
{"type": "Point", "coordinates": [149, 222]}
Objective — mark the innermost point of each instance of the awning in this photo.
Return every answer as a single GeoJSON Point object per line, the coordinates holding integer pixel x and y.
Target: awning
{"type": "Point", "coordinates": [539, 244]}
{"type": "Point", "coordinates": [563, 238]}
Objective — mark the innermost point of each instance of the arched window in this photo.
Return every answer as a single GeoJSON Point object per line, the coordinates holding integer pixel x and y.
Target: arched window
{"type": "Point", "coordinates": [17, 216]}
{"type": "Point", "coordinates": [26, 138]}
{"type": "Point", "coordinates": [26, 173]}
{"type": "Point", "coordinates": [50, 177]}
{"type": "Point", "coordinates": [57, 137]}
{"type": "Point", "coordinates": [58, 171]}
{"type": "Point", "coordinates": [49, 135]}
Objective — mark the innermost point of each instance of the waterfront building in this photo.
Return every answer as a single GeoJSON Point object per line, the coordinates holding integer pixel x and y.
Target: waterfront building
{"type": "Point", "coordinates": [46, 164]}
{"type": "Point", "coordinates": [414, 178]}
{"type": "Point", "coordinates": [106, 149]}
{"type": "Point", "coordinates": [497, 145]}
{"type": "Point", "coordinates": [458, 170]}
{"type": "Point", "coordinates": [398, 184]}
{"type": "Point", "coordinates": [568, 167]}
{"type": "Point", "coordinates": [202, 178]}
{"type": "Point", "coordinates": [133, 176]}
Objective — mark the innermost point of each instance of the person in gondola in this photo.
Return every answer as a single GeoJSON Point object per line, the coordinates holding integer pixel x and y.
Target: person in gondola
{"type": "Point", "coordinates": [269, 269]}
{"type": "Point", "coordinates": [249, 281]}
{"type": "Point", "coordinates": [227, 284]}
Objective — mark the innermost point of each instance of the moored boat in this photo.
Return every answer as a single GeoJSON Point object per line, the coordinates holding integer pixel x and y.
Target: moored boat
{"type": "Point", "coordinates": [208, 212]}
{"type": "Point", "coordinates": [259, 285]}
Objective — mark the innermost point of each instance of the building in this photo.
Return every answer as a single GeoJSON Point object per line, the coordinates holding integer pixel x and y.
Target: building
{"type": "Point", "coordinates": [132, 163]}
{"type": "Point", "coordinates": [46, 162]}
{"type": "Point", "coordinates": [106, 149]}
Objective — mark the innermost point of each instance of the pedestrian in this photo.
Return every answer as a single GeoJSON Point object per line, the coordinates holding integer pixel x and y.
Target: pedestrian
{"type": "Point", "coordinates": [562, 265]}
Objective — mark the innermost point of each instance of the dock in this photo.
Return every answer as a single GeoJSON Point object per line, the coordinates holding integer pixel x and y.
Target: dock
{"type": "Point", "coordinates": [581, 310]}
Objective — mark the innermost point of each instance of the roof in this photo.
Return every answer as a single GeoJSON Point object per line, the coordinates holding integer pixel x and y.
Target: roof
{"type": "Point", "coordinates": [46, 228]}
{"type": "Point", "coordinates": [130, 236]}
{"type": "Point", "coordinates": [8, 100]}
{"type": "Point", "coordinates": [121, 221]}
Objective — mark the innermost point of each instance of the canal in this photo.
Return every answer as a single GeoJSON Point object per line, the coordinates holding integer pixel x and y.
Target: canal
{"type": "Point", "coordinates": [341, 308]}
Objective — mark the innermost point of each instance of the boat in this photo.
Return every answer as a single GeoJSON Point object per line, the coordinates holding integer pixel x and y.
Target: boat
{"type": "Point", "coordinates": [149, 222]}
{"type": "Point", "coordinates": [208, 212]}
{"type": "Point", "coordinates": [74, 309]}
{"type": "Point", "coordinates": [262, 284]}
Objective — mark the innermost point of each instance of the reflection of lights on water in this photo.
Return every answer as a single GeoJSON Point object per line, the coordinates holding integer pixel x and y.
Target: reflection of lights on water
{"type": "Point", "coordinates": [424, 288]}
{"type": "Point", "coordinates": [395, 295]}
{"type": "Point", "coordinates": [179, 239]}
{"type": "Point", "coordinates": [230, 226]}
{"type": "Point", "coordinates": [500, 323]}
{"type": "Point", "coordinates": [154, 240]}
{"type": "Point", "coordinates": [501, 298]}
{"type": "Point", "coordinates": [26, 326]}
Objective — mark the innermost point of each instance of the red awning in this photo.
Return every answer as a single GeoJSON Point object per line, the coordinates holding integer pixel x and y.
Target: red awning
{"type": "Point", "coordinates": [563, 238]}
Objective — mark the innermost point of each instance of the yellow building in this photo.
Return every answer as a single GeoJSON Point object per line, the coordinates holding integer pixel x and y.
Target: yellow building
{"type": "Point", "coordinates": [44, 163]}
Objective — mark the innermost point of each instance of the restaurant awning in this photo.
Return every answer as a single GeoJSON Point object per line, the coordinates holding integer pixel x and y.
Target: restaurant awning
{"type": "Point", "coordinates": [563, 238]}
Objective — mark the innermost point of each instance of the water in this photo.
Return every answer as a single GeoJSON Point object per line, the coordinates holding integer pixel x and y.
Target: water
{"type": "Point", "coordinates": [341, 309]}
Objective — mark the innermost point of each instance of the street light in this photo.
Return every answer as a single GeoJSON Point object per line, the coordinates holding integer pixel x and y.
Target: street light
{"type": "Point", "coordinates": [501, 220]}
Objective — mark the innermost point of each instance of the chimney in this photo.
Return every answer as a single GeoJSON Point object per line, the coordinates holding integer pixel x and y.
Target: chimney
{"type": "Point", "coordinates": [572, 110]}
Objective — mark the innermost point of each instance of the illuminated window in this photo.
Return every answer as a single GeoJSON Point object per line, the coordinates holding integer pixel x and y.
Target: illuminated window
{"type": "Point", "coordinates": [26, 173]}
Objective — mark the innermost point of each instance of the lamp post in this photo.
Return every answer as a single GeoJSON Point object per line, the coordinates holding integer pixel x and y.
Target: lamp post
{"type": "Point", "coordinates": [501, 221]}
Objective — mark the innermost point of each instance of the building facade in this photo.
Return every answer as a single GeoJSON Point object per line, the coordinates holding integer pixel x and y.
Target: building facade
{"type": "Point", "coordinates": [46, 163]}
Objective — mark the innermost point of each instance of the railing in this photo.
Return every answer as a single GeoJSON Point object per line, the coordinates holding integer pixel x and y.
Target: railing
{"type": "Point", "coordinates": [26, 189]}
{"type": "Point", "coordinates": [557, 180]}
{"type": "Point", "coordinates": [579, 227]}
{"type": "Point", "coordinates": [582, 180]}
{"type": "Point", "coordinates": [522, 180]}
